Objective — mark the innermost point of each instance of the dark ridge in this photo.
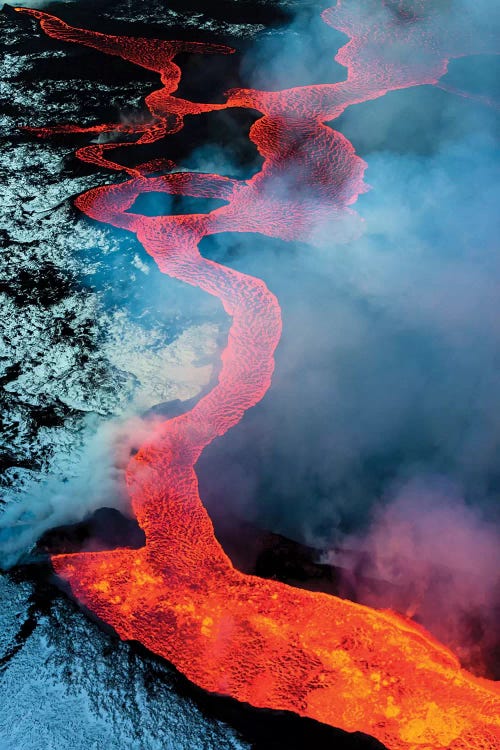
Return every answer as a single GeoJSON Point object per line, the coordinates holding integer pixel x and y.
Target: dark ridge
{"type": "Point", "coordinates": [106, 528]}
{"type": "Point", "coordinates": [250, 548]}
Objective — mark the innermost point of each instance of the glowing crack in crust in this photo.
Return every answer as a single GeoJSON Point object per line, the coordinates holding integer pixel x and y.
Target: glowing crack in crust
{"type": "Point", "coordinates": [261, 641]}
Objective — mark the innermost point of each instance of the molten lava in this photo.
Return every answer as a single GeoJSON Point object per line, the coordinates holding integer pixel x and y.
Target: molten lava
{"type": "Point", "coordinates": [258, 640]}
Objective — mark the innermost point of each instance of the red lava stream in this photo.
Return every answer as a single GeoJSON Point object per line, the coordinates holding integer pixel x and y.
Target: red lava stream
{"type": "Point", "coordinates": [261, 641]}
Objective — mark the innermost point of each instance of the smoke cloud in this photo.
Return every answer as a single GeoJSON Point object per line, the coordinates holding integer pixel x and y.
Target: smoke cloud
{"type": "Point", "coordinates": [429, 555]}
{"type": "Point", "coordinates": [97, 480]}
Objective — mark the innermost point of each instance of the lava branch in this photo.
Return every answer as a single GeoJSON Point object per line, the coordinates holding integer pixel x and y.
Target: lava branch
{"type": "Point", "coordinates": [261, 641]}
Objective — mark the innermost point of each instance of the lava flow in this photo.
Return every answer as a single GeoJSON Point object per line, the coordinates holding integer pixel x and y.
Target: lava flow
{"type": "Point", "coordinates": [261, 641]}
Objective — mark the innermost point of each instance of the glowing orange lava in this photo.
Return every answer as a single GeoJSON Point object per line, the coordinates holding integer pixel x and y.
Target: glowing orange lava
{"type": "Point", "coordinates": [258, 640]}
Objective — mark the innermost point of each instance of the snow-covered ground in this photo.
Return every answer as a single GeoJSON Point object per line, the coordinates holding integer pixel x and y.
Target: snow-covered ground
{"type": "Point", "coordinates": [72, 686]}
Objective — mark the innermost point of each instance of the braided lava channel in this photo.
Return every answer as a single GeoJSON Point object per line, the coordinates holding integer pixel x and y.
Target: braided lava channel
{"type": "Point", "coordinates": [261, 641]}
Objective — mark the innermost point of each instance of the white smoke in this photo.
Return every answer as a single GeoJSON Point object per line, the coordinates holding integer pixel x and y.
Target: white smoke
{"type": "Point", "coordinates": [429, 555]}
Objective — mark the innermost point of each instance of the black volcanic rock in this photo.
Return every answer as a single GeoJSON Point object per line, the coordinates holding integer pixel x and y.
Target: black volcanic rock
{"type": "Point", "coordinates": [106, 528]}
